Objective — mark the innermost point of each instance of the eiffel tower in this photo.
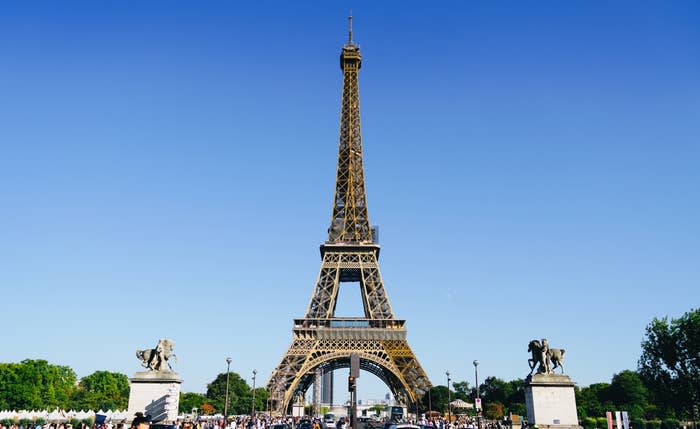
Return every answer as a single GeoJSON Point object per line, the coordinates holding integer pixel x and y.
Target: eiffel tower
{"type": "Point", "coordinates": [322, 342]}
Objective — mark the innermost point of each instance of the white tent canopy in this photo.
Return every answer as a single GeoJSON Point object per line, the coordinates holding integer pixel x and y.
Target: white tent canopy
{"type": "Point", "coordinates": [458, 403]}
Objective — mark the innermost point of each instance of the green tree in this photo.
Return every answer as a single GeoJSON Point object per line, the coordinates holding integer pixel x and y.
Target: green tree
{"type": "Point", "coordinates": [189, 400]}
{"type": "Point", "coordinates": [261, 396]}
{"type": "Point", "coordinates": [102, 390]}
{"type": "Point", "coordinates": [593, 401]}
{"type": "Point", "coordinates": [462, 391]}
{"type": "Point", "coordinates": [515, 397]}
{"type": "Point", "coordinates": [438, 399]}
{"type": "Point", "coordinates": [494, 410]}
{"type": "Point", "coordinates": [378, 408]}
{"type": "Point", "coordinates": [628, 392]}
{"type": "Point", "coordinates": [670, 363]}
{"type": "Point", "coordinates": [35, 384]}
{"type": "Point", "coordinates": [240, 394]}
{"type": "Point", "coordinates": [495, 390]}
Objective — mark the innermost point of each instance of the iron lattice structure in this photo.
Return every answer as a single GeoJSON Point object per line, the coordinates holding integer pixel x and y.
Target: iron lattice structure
{"type": "Point", "coordinates": [322, 341]}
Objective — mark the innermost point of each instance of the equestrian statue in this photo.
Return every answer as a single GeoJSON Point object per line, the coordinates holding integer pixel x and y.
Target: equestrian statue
{"type": "Point", "coordinates": [157, 359]}
{"type": "Point", "coordinates": [545, 356]}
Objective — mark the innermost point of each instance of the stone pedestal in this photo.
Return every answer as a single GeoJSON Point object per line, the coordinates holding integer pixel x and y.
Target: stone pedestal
{"type": "Point", "coordinates": [155, 393]}
{"type": "Point", "coordinates": [550, 401]}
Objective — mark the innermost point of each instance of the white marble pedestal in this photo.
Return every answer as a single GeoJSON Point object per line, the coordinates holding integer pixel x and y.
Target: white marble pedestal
{"type": "Point", "coordinates": [550, 401]}
{"type": "Point", "coordinates": [155, 393]}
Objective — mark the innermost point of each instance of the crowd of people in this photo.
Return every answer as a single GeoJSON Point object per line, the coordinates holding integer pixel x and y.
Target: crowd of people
{"type": "Point", "coordinates": [266, 422]}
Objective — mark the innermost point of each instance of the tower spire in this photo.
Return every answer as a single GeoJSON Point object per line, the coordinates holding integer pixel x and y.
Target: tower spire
{"type": "Point", "coordinates": [350, 221]}
{"type": "Point", "coordinates": [350, 32]}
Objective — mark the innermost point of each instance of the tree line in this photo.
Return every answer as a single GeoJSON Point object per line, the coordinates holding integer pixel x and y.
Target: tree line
{"type": "Point", "coordinates": [662, 390]}
{"type": "Point", "coordinates": [39, 385]}
{"type": "Point", "coordinates": [240, 397]}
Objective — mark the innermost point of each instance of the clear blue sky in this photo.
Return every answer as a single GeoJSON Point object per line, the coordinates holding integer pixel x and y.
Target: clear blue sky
{"type": "Point", "coordinates": [167, 170]}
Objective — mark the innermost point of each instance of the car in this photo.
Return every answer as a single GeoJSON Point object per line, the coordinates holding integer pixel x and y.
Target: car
{"type": "Point", "coordinates": [329, 420]}
{"type": "Point", "coordinates": [373, 424]}
{"type": "Point", "coordinates": [304, 424]}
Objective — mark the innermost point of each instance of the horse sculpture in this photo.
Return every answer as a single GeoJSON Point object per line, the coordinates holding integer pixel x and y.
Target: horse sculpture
{"type": "Point", "coordinates": [545, 356]}
{"type": "Point", "coordinates": [157, 359]}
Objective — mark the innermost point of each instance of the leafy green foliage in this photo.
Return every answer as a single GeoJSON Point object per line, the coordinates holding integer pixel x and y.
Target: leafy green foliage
{"type": "Point", "coordinates": [509, 394]}
{"type": "Point", "coordinates": [191, 400]}
{"type": "Point", "coordinates": [462, 391]}
{"type": "Point", "coordinates": [588, 423]}
{"type": "Point", "coordinates": [670, 363]}
{"type": "Point", "coordinates": [670, 424]}
{"type": "Point", "coordinates": [35, 384]}
{"type": "Point", "coordinates": [102, 390]}
{"type": "Point", "coordinates": [437, 400]}
{"type": "Point", "coordinates": [594, 400]}
{"type": "Point", "coordinates": [240, 395]}
{"type": "Point", "coordinates": [628, 392]}
{"type": "Point", "coordinates": [494, 410]}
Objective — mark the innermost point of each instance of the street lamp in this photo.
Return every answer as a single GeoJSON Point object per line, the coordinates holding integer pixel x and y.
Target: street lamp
{"type": "Point", "coordinates": [228, 372]}
{"type": "Point", "coordinates": [476, 381]}
{"type": "Point", "coordinates": [449, 397]}
{"type": "Point", "coordinates": [430, 403]}
{"type": "Point", "coordinates": [415, 392]}
{"type": "Point", "coordinates": [252, 407]}
{"type": "Point", "coordinates": [269, 398]}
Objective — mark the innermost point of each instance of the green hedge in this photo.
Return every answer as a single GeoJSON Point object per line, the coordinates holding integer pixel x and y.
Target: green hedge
{"type": "Point", "coordinates": [653, 424]}
{"type": "Point", "coordinates": [602, 423]}
{"type": "Point", "coordinates": [670, 424]}
{"type": "Point", "coordinates": [637, 424]}
{"type": "Point", "coordinates": [588, 423]}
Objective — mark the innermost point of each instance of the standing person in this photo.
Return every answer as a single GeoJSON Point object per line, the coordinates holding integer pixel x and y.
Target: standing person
{"type": "Point", "coordinates": [141, 422]}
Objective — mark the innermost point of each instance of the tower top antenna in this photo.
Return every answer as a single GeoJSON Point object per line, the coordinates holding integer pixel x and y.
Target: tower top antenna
{"type": "Point", "coordinates": [350, 32]}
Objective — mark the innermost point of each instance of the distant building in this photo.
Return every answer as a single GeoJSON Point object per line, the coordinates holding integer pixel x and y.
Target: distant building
{"type": "Point", "coordinates": [327, 388]}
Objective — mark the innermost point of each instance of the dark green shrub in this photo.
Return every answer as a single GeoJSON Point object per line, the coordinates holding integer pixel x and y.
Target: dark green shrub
{"type": "Point", "coordinates": [653, 424]}
{"type": "Point", "coordinates": [25, 422]}
{"type": "Point", "coordinates": [39, 421]}
{"type": "Point", "coordinates": [669, 424]}
{"type": "Point", "coordinates": [637, 424]}
{"type": "Point", "coordinates": [90, 420]}
{"type": "Point", "coordinates": [602, 423]}
{"type": "Point", "coordinates": [588, 423]}
{"type": "Point", "coordinates": [75, 423]}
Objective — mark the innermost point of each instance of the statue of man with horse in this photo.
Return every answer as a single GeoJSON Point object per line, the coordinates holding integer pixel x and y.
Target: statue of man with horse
{"type": "Point", "coordinates": [545, 356]}
{"type": "Point", "coordinates": [157, 359]}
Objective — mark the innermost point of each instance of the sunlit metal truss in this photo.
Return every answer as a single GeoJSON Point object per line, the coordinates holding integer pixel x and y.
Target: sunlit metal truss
{"type": "Point", "coordinates": [320, 340]}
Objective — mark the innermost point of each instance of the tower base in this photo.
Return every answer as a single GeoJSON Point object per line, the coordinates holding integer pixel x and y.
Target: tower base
{"type": "Point", "coordinates": [550, 401]}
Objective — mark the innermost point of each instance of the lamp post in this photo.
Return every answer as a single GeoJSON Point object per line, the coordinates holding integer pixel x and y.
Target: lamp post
{"type": "Point", "coordinates": [476, 381]}
{"type": "Point", "coordinates": [449, 398]}
{"type": "Point", "coordinates": [228, 372]}
{"type": "Point", "coordinates": [430, 403]}
{"type": "Point", "coordinates": [269, 398]}
{"type": "Point", "coordinates": [415, 391]}
{"type": "Point", "coordinates": [252, 405]}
